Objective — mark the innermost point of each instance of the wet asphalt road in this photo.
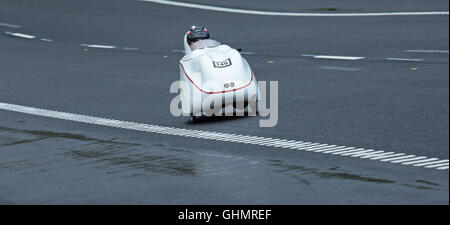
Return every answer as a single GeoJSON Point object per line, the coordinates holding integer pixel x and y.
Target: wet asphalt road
{"type": "Point", "coordinates": [372, 103]}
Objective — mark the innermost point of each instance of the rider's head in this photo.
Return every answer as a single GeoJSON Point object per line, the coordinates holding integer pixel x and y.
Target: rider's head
{"type": "Point", "coordinates": [197, 33]}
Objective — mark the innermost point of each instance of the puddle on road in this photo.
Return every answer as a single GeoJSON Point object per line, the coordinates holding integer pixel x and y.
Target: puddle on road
{"type": "Point", "coordinates": [42, 135]}
{"type": "Point", "coordinates": [137, 160]}
{"type": "Point", "coordinates": [110, 155]}
{"type": "Point", "coordinates": [301, 173]}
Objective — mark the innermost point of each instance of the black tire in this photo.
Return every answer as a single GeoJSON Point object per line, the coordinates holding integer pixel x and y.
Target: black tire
{"type": "Point", "coordinates": [193, 118]}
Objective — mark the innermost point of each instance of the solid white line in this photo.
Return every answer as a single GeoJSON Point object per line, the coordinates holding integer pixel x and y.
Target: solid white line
{"type": "Point", "coordinates": [443, 168]}
{"type": "Point", "coordinates": [271, 13]}
{"type": "Point", "coordinates": [404, 59]}
{"type": "Point", "coordinates": [26, 36]}
{"type": "Point", "coordinates": [428, 51]}
{"type": "Point", "coordinates": [98, 46]}
{"type": "Point", "coordinates": [9, 25]}
{"type": "Point", "coordinates": [337, 57]}
{"type": "Point", "coordinates": [244, 139]}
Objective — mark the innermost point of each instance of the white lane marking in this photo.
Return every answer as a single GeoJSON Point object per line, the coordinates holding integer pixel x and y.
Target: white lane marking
{"type": "Point", "coordinates": [420, 161]}
{"type": "Point", "coordinates": [317, 147]}
{"type": "Point", "coordinates": [373, 154]}
{"type": "Point", "coordinates": [20, 35]}
{"type": "Point", "coordinates": [428, 51]}
{"type": "Point", "coordinates": [334, 57]}
{"type": "Point", "coordinates": [443, 168]}
{"type": "Point", "coordinates": [437, 165]}
{"type": "Point", "coordinates": [46, 39]}
{"type": "Point", "coordinates": [404, 59]}
{"type": "Point", "coordinates": [338, 150]}
{"type": "Point", "coordinates": [208, 135]}
{"type": "Point", "coordinates": [338, 68]}
{"type": "Point", "coordinates": [397, 158]}
{"type": "Point", "coordinates": [333, 148]}
{"type": "Point", "coordinates": [366, 153]}
{"type": "Point", "coordinates": [178, 51]}
{"type": "Point", "coordinates": [132, 49]}
{"type": "Point", "coordinates": [9, 25]}
{"type": "Point", "coordinates": [409, 159]}
{"type": "Point", "coordinates": [271, 13]}
{"type": "Point", "coordinates": [429, 163]}
{"type": "Point", "coordinates": [386, 156]}
{"type": "Point", "coordinates": [98, 46]}
{"type": "Point", "coordinates": [346, 151]}
{"type": "Point", "coordinates": [358, 152]}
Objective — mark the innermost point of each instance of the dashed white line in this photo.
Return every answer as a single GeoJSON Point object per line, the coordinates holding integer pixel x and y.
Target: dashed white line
{"type": "Point", "coordinates": [366, 154]}
{"type": "Point", "coordinates": [20, 35]}
{"type": "Point", "coordinates": [437, 165]}
{"type": "Point", "coordinates": [338, 68]}
{"type": "Point", "coordinates": [331, 148]}
{"type": "Point", "coordinates": [46, 39]}
{"type": "Point", "coordinates": [356, 152]}
{"type": "Point", "coordinates": [434, 162]}
{"type": "Point", "coordinates": [397, 158]}
{"type": "Point", "coordinates": [131, 49]}
{"type": "Point", "coordinates": [428, 51]}
{"type": "Point", "coordinates": [334, 57]}
{"type": "Point", "coordinates": [347, 151]}
{"type": "Point", "coordinates": [377, 154]}
{"type": "Point", "coordinates": [404, 59]}
{"type": "Point", "coordinates": [338, 150]}
{"type": "Point", "coordinates": [9, 25]}
{"type": "Point", "coordinates": [386, 156]}
{"type": "Point", "coordinates": [98, 46]}
{"type": "Point", "coordinates": [271, 13]}
{"type": "Point", "coordinates": [420, 161]}
{"type": "Point", "coordinates": [243, 139]}
{"type": "Point", "coordinates": [409, 159]}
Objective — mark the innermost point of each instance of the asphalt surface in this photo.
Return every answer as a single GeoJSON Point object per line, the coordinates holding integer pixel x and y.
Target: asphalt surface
{"type": "Point", "coordinates": [399, 106]}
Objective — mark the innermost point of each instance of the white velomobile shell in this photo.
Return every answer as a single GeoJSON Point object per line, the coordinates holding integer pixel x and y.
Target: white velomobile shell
{"type": "Point", "coordinates": [217, 74]}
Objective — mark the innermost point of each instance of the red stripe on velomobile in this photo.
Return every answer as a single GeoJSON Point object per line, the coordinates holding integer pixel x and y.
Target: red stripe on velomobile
{"type": "Point", "coordinates": [215, 92]}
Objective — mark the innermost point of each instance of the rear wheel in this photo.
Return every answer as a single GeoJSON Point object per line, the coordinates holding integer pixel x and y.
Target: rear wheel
{"type": "Point", "coordinates": [253, 107]}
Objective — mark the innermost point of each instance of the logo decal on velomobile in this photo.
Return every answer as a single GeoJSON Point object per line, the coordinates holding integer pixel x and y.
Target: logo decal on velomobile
{"type": "Point", "coordinates": [222, 64]}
